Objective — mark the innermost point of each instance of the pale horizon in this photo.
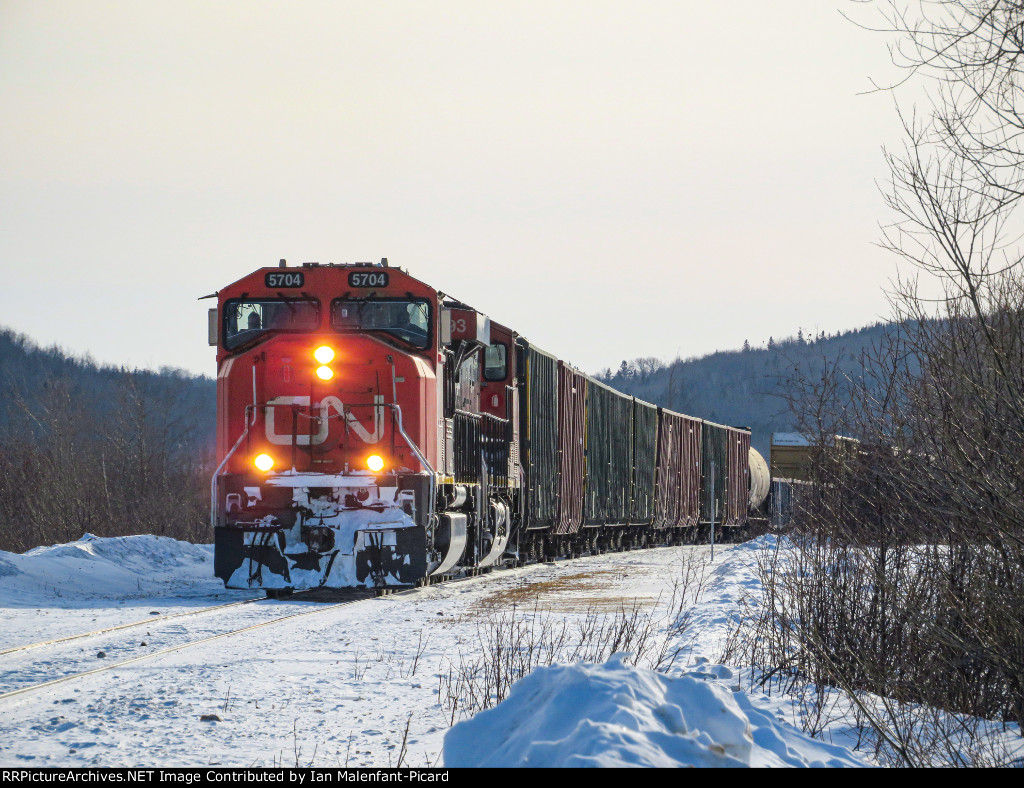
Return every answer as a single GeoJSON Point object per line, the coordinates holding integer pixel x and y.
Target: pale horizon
{"type": "Point", "coordinates": [611, 180]}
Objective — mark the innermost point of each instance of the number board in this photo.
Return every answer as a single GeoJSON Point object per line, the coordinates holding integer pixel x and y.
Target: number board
{"type": "Point", "coordinates": [368, 279]}
{"type": "Point", "coordinates": [284, 279]}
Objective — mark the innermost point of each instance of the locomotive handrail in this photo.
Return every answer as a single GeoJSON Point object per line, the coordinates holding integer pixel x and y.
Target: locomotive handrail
{"type": "Point", "coordinates": [216, 473]}
{"type": "Point", "coordinates": [423, 460]}
{"type": "Point", "coordinates": [412, 445]}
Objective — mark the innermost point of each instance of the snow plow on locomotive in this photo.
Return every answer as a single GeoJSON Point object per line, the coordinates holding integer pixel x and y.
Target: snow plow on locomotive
{"type": "Point", "coordinates": [373, 431]}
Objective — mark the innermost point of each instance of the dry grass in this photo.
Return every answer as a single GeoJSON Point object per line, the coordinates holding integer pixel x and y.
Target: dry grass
{"type": "Point", "coordinates": [575, 592]}
{"type": "Point", "coordinates": [562, 620]}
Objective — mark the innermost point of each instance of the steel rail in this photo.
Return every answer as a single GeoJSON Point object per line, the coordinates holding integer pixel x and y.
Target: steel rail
{"type": "Point", "coordinates": [179, 647]}
{"type": "Point", "coordinates": [155, 619]}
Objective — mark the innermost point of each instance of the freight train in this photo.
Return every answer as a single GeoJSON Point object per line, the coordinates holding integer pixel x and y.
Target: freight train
{"type": "Point", "coordinates": [374, 431]}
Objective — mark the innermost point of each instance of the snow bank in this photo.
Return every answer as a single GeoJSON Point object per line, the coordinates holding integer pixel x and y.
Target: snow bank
{"type": "Point", "coordinates": [116, 567]}
{"type": "Point", "coordinates": [617, 715]}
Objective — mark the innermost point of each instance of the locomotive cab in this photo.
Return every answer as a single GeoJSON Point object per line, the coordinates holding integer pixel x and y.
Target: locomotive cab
{"type": "Point", "coordinates": [327, 390]}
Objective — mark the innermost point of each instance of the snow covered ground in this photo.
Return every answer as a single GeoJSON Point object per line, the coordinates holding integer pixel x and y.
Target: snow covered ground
{"type": "Point", "coordinates": [96, 583]}
{"type": "Point", "coordinates": [344, 685]}
{"type": "Point", "coordinates": [696, 713]}
{"type": "Point", "coordinates": [377, 682]}
{"type": "Point", "coordinates": [616, 715]}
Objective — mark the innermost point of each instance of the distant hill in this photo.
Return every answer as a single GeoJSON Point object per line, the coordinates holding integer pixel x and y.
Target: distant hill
{"type": "Point", "coordinates": [97, 449]}
{"type": "Point", "coordinates": [741, 387]}
{"type": "Point", "coordinates": [29, 373]}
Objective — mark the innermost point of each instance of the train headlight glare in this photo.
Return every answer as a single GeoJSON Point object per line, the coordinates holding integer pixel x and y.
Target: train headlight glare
{"type": "Point", "coordinates": [264, 462]}
{"type": "Point", "coordinates": [375, 462]}
{"type": "Point", "coordinates": [324, 354]}
{"type": "Point", "coordinates": [324, 373]}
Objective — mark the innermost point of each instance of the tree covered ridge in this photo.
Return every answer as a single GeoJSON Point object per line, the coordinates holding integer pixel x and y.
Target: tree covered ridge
{"type": "Point", "coordinates": [748, 387]}
{"type": "Point", "coordinates": [27, 369]}
{"type": "Point", "coordinates": [100, 449]}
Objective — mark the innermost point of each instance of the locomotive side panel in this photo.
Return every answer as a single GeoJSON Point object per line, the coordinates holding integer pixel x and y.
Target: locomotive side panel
{"type": "Point", "coordinates": [572, 421]}
{"type": "Point", "coordinates": [499, 406]}
{"type": "Point", "coordinates": [645, 456]}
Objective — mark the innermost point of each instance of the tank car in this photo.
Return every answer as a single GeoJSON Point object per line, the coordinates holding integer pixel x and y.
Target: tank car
{"type": "Point", "coordinates": [374, 431]}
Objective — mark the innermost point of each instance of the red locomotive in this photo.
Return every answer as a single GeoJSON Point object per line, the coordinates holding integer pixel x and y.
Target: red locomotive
{"type": "Point", "coordinates": [373, 431]}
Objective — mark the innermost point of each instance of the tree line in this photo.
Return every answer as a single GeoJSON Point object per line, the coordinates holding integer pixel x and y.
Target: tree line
{"type": "Point", "coordinates": [97, 449]}
{"type": "Point", "coordinates": [743, 388]}
{"type": "Point", "coordinates": [906, 577]}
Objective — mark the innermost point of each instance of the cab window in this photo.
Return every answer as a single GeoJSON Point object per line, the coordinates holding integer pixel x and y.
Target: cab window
{"type": "Point", "coordinates": [496, 362]}
{"type": "Point", "coordinates": [407, 319]}
{"type": "Point", "coordinates": [246, 320]}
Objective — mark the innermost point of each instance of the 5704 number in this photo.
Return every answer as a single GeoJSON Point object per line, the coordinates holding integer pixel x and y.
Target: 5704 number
{"type": "Point", "coordinates": [286, 279]}
{"type": "Point", "coordinates": [368, 279]}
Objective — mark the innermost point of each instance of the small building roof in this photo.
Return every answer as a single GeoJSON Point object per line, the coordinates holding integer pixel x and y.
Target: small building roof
{"type": "Point", "coordinates": [790, 439]}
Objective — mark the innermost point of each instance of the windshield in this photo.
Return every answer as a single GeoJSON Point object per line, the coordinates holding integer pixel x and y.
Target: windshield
{"type": "Point", "coordinates": [246, 320]}
{"type": "Point", "coordinates": [404, 318]}
{"type": "Point", "coordinates": [495, 364]}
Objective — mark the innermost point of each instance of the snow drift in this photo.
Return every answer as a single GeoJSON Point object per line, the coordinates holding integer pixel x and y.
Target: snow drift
{"type": "Point", "coordinates": [108, 568]}
{"type": "Point", "coordinates": [615, 715]}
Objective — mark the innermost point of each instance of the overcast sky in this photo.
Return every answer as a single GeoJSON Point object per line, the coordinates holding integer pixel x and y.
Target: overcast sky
{"type": "Point", "coordinates": [611, 179]}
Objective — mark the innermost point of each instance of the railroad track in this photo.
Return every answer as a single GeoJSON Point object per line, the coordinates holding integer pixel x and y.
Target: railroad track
{"type": "Point", "coordinates": [361, 597]}
{"type": "Point", "coordinates": [313, 595]}
{"type": "Point", "coordinates": [153, 620]}
{"type": "Point", "coordinates": [324, 596]}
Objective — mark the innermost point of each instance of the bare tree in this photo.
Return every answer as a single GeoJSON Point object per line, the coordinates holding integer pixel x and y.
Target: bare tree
{"type": "Point", "coordinates": [122, 461]}
{"type": "Point", "coordinates": [910, 549]}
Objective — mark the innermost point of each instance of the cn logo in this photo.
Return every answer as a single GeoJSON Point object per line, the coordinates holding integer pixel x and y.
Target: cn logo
{"type": "Point", "coordinates": [326, 405]}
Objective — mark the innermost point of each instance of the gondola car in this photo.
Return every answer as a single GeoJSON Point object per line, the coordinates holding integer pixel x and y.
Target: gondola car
{"type": "Point", "coordinates": [374, 431]}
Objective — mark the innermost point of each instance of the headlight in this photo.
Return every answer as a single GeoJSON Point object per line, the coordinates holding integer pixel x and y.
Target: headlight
{"type": "Point", "coordinates": [324, 354]}
{"type": "Point", "coordinates": [264, 462]}
{"type": "Point", "coordinates": [375, 462]}
{"type": "Point", "coordinates": [324, 373]}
